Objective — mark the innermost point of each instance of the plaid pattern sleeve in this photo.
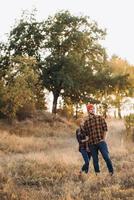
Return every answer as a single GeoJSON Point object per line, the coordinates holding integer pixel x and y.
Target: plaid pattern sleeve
{"type": "Point", "coordinates": [94, 127]}
{"type": "Point", "coordinates": [104, 124]}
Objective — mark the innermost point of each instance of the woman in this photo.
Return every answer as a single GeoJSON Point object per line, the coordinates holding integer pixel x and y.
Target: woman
{"type": "Point", "coordinates": [83, 149]}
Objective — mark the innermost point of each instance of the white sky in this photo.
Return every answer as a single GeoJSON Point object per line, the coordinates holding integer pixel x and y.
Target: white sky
{"type": "Point", "coordinates": [115, 15]}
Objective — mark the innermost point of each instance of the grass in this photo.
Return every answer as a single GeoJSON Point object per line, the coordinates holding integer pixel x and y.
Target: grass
{"type": "Point", "coordinates": [43, 163]}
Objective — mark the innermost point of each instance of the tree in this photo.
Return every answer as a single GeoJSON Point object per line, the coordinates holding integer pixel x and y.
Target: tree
{"type": "Point", "coordinates": [120, 91]}
{"type": "Point", "coordinates": [122, 84]}
{"type": "Point", "coordinates": [4, 59]}
{"type": "Point", "coordinates": [67, 51]}
{"type": "Point", "coordinates": [66, 108]}
{"type": "Point", "coordinates": [26, 38]}
{"type": "Point", "coordinates": [74, 53]}
{"type": "Point", "coordinates": [20, 86]}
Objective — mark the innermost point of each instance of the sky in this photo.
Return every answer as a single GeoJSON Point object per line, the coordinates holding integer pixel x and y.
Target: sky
{"type": "Point", "coordinates": [114, 15]}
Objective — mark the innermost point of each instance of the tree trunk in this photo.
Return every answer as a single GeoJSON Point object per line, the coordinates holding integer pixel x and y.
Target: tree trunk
{"type": "Point", "coordinates": [54, 109]}
{"type": "Point", "coordinates": [76, 112]}
{"type": "Point", "coordinates": [105, 110]}
{"type": "Point", "coordinates": [115, 113]}
{"type": "Point", "coordinates": [119, 112]}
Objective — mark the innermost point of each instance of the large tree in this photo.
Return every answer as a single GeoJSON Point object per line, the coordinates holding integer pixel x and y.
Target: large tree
{"type": "Point", "coordinates": [74, 54]}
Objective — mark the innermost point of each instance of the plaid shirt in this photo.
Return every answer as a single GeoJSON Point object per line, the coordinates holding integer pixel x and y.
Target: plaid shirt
{"type": "Point", "coordinates": [94, 127]}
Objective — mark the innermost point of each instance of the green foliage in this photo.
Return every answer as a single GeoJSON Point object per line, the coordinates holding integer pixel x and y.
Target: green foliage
{"type": "Point", "coordinates": [66, 47]}
{"type": "Point", "coordinates": [122, 84]}
{"type": "Point", "coordinates": [74, 53]}
{"type": "Point", "coordinates": [70, 62]}
{"type": "Point", "coordinates": [20, 87]}
{"type": "Point", "coordinates": [1, 97]}
{"type": "Point", "coordinates": [67, 110]}
{"type": "Point", "coordinates": [26, 37]}
{"type": "Point", "coordinates": [4, 59]}
{"type": "Point", "coordinates": [129, 122]}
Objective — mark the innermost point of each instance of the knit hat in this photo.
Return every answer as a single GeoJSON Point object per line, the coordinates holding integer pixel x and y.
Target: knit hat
{"type": "Point", "coordinates": [90, 107]}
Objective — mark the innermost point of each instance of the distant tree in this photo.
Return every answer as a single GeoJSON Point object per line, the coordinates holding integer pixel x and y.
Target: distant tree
{"type": "Point", "coordinates": [121, 90]}
{"type": "Point", "coordinates": [66, 108]}
{"type": "Point", "coordinates": [122, 83]}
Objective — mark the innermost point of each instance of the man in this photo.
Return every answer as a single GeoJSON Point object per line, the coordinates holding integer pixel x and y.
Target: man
{"type": "Point", "coordinates": [83, 149]}
{"type": "Point", "coordinates": [95, 128]}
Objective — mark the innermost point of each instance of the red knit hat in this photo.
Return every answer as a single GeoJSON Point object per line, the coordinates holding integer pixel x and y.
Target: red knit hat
{"type": "Point", "coordinates": [90, 107]}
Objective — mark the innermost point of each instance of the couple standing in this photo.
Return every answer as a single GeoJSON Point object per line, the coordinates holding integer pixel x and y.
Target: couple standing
{"type": "Point", "coordinates": [91, 137]}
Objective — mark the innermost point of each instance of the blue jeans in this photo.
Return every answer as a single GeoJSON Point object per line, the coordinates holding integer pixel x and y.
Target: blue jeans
{"type": "Point", "coordinates": [102, 147]}
{"type": "Point", "coordinates": [86, 157]}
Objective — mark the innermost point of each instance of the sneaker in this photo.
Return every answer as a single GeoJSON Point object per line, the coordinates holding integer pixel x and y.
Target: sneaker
{"type": "Point", "coordinates": [111, 173]}
{"type": "Point", "coordinates": [97, 173]}
{"type": "Point", "coordinates": [80, 174]}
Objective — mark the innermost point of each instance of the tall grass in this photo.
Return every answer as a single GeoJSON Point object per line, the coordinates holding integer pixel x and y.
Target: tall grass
{"type": "Point", "coordinates": [40, 161]}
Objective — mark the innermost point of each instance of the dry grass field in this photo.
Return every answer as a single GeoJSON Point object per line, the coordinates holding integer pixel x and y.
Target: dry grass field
{"type": "Point", "coordinates": [39, 160]}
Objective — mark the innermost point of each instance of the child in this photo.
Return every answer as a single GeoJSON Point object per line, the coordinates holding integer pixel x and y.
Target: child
{"type": "Point", "coordinates": [83, 149]}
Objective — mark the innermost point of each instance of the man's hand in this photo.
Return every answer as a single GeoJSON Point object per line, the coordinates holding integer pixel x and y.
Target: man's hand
{"type": "Point", "coordinates": [85, 140]}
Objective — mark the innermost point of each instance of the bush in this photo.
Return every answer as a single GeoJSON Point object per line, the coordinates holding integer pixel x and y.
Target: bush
{"type": "Point", "coordinates": [26, 111]}
{"type": "Point", "coordinates": [129, 122]}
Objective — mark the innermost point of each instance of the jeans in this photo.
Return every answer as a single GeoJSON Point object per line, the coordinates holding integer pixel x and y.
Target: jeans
{"type": "Point", "coordinates": [102, 147]}
{"type": "Point", "coordinates": [86, 156]}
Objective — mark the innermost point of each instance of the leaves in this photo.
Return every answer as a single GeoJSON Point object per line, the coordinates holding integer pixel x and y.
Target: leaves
{"type": "Point", "coordinates": [20, 86]}
{"type": "Point", "coordinates": [72, 43]}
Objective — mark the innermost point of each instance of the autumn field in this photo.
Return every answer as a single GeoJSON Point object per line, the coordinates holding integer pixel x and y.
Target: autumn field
{"type": "Point", "coordinates": [39, 160]}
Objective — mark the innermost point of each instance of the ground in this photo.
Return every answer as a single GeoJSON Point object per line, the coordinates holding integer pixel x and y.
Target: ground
{"type": "Point", "coordinates": [39, 159]}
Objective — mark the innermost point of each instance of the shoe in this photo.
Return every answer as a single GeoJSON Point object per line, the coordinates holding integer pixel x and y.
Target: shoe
{"type": "Point", "coordinates": [80, 174]}
{"type": "Point", "coordinates": [111, 173]}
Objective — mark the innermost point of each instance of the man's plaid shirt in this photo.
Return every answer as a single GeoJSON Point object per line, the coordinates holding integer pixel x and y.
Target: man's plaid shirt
{"type": "Point", "coordinates": [94, 127]}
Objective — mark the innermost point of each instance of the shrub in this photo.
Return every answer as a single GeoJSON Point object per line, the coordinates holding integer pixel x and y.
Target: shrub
{"type": "Point", "coordinates": [129, 122]}
{"type": "Point", "coordinates": [26, 111]}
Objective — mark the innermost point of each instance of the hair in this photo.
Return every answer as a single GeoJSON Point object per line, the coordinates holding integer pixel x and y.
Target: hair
{"type": "Point", "coordinates": [79, 121]}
